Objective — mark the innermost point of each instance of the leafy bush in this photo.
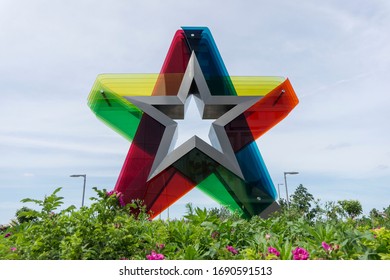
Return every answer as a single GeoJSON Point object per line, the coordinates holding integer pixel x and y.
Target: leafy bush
{"type": "Point", "coordinates": [110, 230]}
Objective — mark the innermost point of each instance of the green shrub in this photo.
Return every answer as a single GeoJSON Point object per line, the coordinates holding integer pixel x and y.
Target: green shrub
{"type": "Point", "coordinates": [108, 230]}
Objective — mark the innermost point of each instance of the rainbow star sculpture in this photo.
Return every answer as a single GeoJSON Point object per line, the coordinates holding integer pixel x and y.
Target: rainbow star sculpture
{"type": "Point", "coordinates": [143, 108]}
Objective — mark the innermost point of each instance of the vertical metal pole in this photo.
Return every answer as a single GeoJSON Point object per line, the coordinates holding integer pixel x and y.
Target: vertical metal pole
{"type": "Point", "coordinates": [279, 191]}
{"type": "Point", "coordinates": [285, 183]}
{"type": "Point", "coordinates": [85, 179]}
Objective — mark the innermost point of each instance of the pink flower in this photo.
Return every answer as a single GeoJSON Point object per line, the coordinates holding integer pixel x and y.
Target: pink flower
{"type": "Point", "coordinates": [232, 250]}
{"type": "Point", "coordinates": [121, 201]}
{"type": "Point", "coordinates": [273, 250]}
{"type": "Point", "coordinates": [300, 254]}
{"type": "Point", "coordinates": [110, 193]}
{"type": "Point", "coordinates": [326, 246]}
{"type": "Point", "coordinates": [154, 256]}
{"type": "Point", "coordinates": [118, 195]}
{"type": "Point", "coordinates": [160, 246]}
{"type": "Point", "coordinates": [7, 235]}
{"type": "Point", "coordinates": [13, 249]}
{"type": "Point", "coordinates": [267, 236]}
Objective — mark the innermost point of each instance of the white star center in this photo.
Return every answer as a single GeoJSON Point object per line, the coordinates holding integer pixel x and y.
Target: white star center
{"type": "Point", "coordinates": [192, 124]}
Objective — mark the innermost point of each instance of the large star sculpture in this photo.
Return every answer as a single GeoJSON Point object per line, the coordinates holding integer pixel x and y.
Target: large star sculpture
{"type": "Point", "coordinates": [143, 108]}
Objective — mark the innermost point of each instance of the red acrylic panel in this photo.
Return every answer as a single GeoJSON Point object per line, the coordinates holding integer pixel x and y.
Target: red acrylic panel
{"type": "Point", "coordinates": [271, 109]}
{"type": "Point", "coordinates": [175, 64]}
{"type": "Point", "coordinates": [173, 190]}
{"type": "Point", "coordinates": [139, 160]}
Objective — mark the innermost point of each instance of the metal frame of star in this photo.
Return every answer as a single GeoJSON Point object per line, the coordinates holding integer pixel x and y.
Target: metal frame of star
{"type": "Point", "coordinates": [223, 109]}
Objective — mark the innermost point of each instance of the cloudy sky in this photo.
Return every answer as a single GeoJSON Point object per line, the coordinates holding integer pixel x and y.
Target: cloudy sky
{"type": "Point", "coordinates": [335, 53]}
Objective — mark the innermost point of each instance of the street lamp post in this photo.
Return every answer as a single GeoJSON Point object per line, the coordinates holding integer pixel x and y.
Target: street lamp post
{"type": "Point", "coordinates": [85, 179]}
{"type": "Point", "coordinates": [285, 183]}
{"type": "Point", "coordinates": [279, 189]}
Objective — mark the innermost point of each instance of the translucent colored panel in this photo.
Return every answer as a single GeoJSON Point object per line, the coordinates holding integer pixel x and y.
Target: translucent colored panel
{"type": "Point", "coordinates": [213, 187]}
{"type": "Point", "coordinates": [237, 189]}
{"type": "Point", "coordinates": [196, 165]}
{"type": "Point", "coordinates": [132, 178]}
{"type": "Point", "coordinates": [155, 189]}
{"type": "Point", "coordinates": [166, 192]}
{"type": "Point", "coordinates": [255, 85]}
{"type": "Point", "coordinates": [168, 84]}
{"type": "Point", "coordinates": [271, 109]}
{"type": "Point", "coordinates": [174, 66]}
{"type": "Point", "coordinates": [138, 163]}
{"type": "Point", "coordinates": [144, 84]}
{"type": "Point", "coordinates": [202, 43]}
{"type": "Point", "coordinates": [252, 199]}
{"type": "Point", "coordinates": [178, 55]}
{"type": "Point", "coordinates": [116, 112]}
{"type": "Point", "coordinates": [262, 116]}
{"type": "Point", "coordinates": [239, 133]}
{"type": "Point", "coordinates": [255, 171]}
{"type": "Point", "coordinates": [128, 84]}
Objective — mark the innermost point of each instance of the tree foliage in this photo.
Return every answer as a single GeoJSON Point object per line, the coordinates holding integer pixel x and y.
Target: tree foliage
{"type": "Point", "coordinates": [352, 208]}
{"type": "Point", "coordinates": [303, 202]}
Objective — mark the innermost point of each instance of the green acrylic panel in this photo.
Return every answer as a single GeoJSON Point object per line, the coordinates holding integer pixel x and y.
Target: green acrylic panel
{"type": "Point", "coordinates": [238, 189]}
{"type": "Point", "coordinates": [252, 199]}
{"type": "Point", "coordinates": [213, 187]}
{"type": "Point", "coordinates": [116, 112]}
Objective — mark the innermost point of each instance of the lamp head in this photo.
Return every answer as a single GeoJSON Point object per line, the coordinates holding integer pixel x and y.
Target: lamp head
{"type": "Point", "coordinates": [78, 175]}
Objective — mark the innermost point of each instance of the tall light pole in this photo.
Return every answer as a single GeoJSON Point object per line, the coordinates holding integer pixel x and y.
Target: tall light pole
{"type": "Point", "coordinates": [85, 179]}
{"type": "Point", "coordinates": [279, 190]}
{"type": "Point", "coordinates": [285, 183]}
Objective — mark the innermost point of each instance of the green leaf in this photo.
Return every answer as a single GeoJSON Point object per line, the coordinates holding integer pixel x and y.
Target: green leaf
{"type": "Point", "coordinates": [191, 253]}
